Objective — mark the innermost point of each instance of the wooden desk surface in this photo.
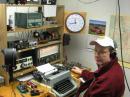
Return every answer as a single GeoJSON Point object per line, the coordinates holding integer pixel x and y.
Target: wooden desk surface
{"type": "Point", "coordinates": [12, 91]}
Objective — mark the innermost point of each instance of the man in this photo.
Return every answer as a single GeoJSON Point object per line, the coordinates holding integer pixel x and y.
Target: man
{"type": "Point", "coordinates": [108, 79]}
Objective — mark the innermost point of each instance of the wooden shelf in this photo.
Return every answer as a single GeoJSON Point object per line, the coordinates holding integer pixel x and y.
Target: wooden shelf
{"type": "Point", "coordinates": [56, 61]}
{"type": "Point", "coordinates": [31, 69]}
{"type": "Point", "coordinates": [17, 29]}
{"type": "Point", "coordinates": [24, 71]}
{"type": "Point", "coordinates": [28, 5]}
{"type": "Point", "coordinates": [24, 5]}
{"type": "Point", "coordinates": [41, 45]}
{"type": "Point", "coordinates": [59, 26]}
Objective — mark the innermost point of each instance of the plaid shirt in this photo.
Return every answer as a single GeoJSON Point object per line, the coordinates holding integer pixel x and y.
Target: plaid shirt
{"type": "Point", "coordinates": [107, 81]}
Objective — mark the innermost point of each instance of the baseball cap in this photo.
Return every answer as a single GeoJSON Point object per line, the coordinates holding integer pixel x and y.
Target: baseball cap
{"type": "Point", "coordinates": [103, 41]}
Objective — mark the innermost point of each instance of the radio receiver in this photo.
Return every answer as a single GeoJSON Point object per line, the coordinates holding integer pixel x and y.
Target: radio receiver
{"type": "Point", "coordinates": [28, 20]}
{"type": "Point", "coordinates": [34, 1]}
{"type": "Point", "coordinates": [48, 2]}
{"type": "Point", "coordinates": [24, 63]}
{"type": "Point", "coordinates": [11, 1]}
{"type": "Point", "coordinates": [48, 54]}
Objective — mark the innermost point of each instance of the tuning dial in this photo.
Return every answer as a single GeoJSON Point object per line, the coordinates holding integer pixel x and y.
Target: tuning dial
{"type": "Point", "coordinates": [23, 65]}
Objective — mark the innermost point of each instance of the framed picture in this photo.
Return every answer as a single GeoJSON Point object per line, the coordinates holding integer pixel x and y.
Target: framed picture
{"type": "Point", "coordinates": [97, 27]}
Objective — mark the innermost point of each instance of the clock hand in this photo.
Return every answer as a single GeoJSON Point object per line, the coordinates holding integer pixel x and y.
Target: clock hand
{"type": "Point", "coordinates": [75, 21]}
{"type": "Point", "coordinates": [72, 22]}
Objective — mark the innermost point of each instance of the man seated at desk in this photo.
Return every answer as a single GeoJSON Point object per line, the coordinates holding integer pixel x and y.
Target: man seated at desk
{"type": "Point", "coordinates": [108, 80]}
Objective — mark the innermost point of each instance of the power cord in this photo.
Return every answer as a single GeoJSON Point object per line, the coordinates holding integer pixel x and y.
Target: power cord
{"type": "Point", "coordinates": [13, 89]}
{"type": "Point", "coordinates": [121, 45]}
{"type": "Point", "coordinates": [13, 80]}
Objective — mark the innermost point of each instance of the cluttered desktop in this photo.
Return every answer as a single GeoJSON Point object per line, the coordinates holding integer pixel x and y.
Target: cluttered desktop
{"type": "Point", "coordinates": [45, 80]}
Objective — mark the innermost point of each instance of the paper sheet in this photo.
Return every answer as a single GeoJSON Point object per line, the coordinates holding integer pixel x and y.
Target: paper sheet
{"type": "Point", "coordinates": [25, 77]}
{"type": "Point", "coordinates": [49, 10]}
{"type": "Point", "coordinates": [46, 69]}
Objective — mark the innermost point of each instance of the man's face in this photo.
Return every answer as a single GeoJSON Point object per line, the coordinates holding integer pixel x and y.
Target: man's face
{"type": "Point", "coordinates": [102, 55]}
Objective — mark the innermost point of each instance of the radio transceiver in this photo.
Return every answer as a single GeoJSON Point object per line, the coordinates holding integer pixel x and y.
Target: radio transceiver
{"type": "Point", "coordinates": [45, 2]}
{"type": "Point", "coordinates": [24, 63]}
{"type": "Point", "coordinates": [48, 2]}
{"type": "Point", "coordinates": [11, 1]}
{"type": "Point", "coordinates": [28, 20]}
{"type": "Point", "coordinates": [48, 54]}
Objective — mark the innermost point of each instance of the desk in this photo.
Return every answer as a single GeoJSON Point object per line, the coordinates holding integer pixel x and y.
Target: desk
{"type": "Point", "coordinates": [11, 90]}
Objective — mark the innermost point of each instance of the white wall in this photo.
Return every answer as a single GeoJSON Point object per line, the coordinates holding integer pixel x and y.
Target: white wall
{"type": "Point", "coordinates": [100, 10]}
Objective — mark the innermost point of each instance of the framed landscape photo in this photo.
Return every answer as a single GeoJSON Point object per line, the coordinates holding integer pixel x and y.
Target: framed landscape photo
{"type": "Point", "coordinates": [97, 27]}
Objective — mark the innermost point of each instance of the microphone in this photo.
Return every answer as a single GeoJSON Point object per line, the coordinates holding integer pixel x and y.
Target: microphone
{"type": "Point", "coordinates": [10, 60]}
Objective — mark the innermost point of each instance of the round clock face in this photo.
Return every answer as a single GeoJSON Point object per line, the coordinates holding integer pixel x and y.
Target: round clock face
{"type": "Point", "coordinates": [75, 22]}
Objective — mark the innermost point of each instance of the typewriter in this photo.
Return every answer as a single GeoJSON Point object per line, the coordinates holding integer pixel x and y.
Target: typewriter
{"type": "Point", "coordinates": [60, 80]}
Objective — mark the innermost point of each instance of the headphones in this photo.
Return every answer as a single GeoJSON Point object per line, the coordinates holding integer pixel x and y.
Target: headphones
{"type": "Point", "coordinates": [113, 51]}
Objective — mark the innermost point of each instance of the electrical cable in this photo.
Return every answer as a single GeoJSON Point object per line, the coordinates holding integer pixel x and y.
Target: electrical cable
{"type": "Point", "coordinates": [121, 45]}
{"type": "Point", "coordinates": [22, 35]}
{"type": "Point", "coordinates": [115, 21]}
{"type": "Point", "coordinates": [28, 35]}
{"type": "Point", "coordinates": [88, 2]}
{"type": "Point", "coordinates": [13, 90]}
{"type": "Point", "coordinates": [19, 36]}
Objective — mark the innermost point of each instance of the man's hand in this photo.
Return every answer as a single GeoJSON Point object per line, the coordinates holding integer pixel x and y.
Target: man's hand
{"type": "Point", "coordinates": [77, 70]}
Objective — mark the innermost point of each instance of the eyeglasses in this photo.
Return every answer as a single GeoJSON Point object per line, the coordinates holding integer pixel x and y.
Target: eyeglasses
{"type": "Point", "coordinates": [101, 52]}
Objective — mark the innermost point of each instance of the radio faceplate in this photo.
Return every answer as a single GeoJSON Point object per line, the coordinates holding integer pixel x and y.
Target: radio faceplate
{"type": "Point", "coordinates": [48, 54]}
{"type": "Point", "coordinates": [49, 2]}
{"type": "Point", "coordinates": [49, 58]}
{"type": "Point", "coordinates": [28, 20]}
{"type": "Point", "coordinates": [11, 1]}
{"type": "Point", "coordinates": [24, 63]}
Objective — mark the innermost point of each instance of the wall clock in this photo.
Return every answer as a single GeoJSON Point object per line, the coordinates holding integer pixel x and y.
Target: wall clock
{"type": "Point", "coordinates": [75, 22]}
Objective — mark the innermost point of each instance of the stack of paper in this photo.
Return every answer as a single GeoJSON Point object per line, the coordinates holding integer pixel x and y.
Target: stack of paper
{"type": "Point", "coordinates": [46, 69]}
